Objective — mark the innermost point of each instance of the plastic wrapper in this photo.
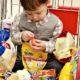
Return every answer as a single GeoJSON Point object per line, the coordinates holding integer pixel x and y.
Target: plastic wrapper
{"type": "Point", "coordinates": [7, 52]}
{"type": "Point", "coordinates": [20, 75]}
{"type": "Point", "coordinates": [65, 73]}
{"type": "Point", "coordinates": [76, 65]}
{"type": "Point", "coordinates": [33, 60]}
{"type": "Point", "coordinates": [26, 75]}
{"type": "Point", "coordinates": [65, 47]}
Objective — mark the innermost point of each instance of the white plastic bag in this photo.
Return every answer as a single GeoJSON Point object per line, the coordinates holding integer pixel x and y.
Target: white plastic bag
{"type": "Point", "coordinates": [64, 47]}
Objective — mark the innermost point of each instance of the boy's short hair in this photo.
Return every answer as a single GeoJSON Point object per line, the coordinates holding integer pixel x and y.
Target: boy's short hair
{"type": "Point", "coordinates": [32, 4]}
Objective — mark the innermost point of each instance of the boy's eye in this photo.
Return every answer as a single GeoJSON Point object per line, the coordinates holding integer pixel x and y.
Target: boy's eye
{"type": "Point", "coordinates": [29, 14]}
{"type": "Point", "coordinates": [38, 13]}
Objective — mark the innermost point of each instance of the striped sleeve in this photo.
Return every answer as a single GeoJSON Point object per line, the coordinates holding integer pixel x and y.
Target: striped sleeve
{"type": "Point", "coordinates": [15, 33]}
{"type": "Point", "coordinates": [58, 29]}
{"type": "Point", "coordinates": [50, 45]}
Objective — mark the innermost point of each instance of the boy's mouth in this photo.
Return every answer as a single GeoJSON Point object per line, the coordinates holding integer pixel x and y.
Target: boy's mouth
{"type": "Point", "coordinates": [35, 20]}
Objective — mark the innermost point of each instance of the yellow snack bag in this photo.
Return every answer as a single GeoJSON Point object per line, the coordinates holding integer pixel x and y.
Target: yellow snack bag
{"type": "Point", "coordinates": [65, 73]}
{"type": "Point", "coordinates": [33, 60]}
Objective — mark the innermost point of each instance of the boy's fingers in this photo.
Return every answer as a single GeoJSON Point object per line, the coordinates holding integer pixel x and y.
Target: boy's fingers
{"type": "Point", "coordinates": [34, 46]}
{"type": "Point", "coordinates": [30, 34]}
{"type": "Point", "coordinates": [35, 42]}
{"type": "Point", "coordinates": [27, 35]}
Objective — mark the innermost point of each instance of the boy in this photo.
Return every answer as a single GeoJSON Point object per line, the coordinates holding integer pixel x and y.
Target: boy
{"type": "Point", "coordinates": [37, 21]}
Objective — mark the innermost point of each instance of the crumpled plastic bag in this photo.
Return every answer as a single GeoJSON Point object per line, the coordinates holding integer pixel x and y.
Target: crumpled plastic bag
{"type": "Point", "coordinates": [20, 75]}
{"type": "Point", "coordinates": [64, 47]}
{"type": "Point", "coordinates": [7, 52]}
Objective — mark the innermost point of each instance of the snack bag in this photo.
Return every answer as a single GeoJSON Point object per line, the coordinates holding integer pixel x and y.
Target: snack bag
{"type": "Point", "coordinates": [76, 65]}
{"type": "Point", "coordinates": [65, 73]}
{"type": "Point", "coordinates": [33, 60]}
{"type": "Point", "coordinates": [7, 52]}
{"type": "Point", "coordinates": [26, 75]}
{"type": "Point", "coordinates": [64, 48]}
{"type": "Point", "coordinates": [49, 74]}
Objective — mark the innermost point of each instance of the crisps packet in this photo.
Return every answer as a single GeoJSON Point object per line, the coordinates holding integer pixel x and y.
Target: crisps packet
{"type": "Point", "coordinates": [41, 75]}
{"type": "Point", "coordinates": [65, 73]}
{"type": "Point", "coordinates": [49, 74]}
{"type": "Point", "coordinates": [33, 60]}
{"type": "Point", "coordinates": [76, 65]}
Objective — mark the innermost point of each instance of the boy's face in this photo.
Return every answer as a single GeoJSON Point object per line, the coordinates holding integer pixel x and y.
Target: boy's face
{"type": "Point", "coordinates": [38, 14]}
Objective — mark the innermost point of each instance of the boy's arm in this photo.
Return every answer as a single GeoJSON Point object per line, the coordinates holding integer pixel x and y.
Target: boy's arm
{"type": "Point", "coordinates": [15, 32]}
{"type": "Point", "coordinates": [50, 45]}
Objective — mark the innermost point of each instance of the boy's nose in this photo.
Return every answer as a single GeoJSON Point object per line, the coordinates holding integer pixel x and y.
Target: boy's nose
{"type": "Point", "coordinates": [34, 18]}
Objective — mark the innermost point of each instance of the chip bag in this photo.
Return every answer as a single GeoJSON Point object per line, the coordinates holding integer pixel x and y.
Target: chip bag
{"type": "Point", "coordinates": [20, 75]}
{"type": "Point", "coordinates": [65, 73]}
{"type": "Point", "coordinates": [49, 74]}
{"type": "Point", "coordinates": [76, 65]}
{"type": "Point", "coordinates": [26, 75]}
{"type": "Point", "coordinates": [64, 48]}
{"type": "Point", "coordinates": [33, 60]}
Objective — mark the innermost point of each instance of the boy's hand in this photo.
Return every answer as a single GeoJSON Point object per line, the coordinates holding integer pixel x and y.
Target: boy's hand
{"type": "Point", "coordinates": [37, 44]}
{"type": "Point", "coordinates": [27, 35]}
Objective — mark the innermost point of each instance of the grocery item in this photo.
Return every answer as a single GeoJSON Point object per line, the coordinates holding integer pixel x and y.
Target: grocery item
{"type": "Point", "coordinates": [64, 48]}
{"type": "Point", "coordinates": [33, 60]}
{"type": "Point", "coordinates": [7, 52]}
{"type": "Point", "coordinates": [65, 73]}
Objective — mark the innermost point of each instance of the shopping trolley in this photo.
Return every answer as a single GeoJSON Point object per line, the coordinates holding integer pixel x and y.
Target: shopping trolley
{"type": "Point", "coordinates": [70, 18]}
{"type": "Point", "coordinates": [70, 21]}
